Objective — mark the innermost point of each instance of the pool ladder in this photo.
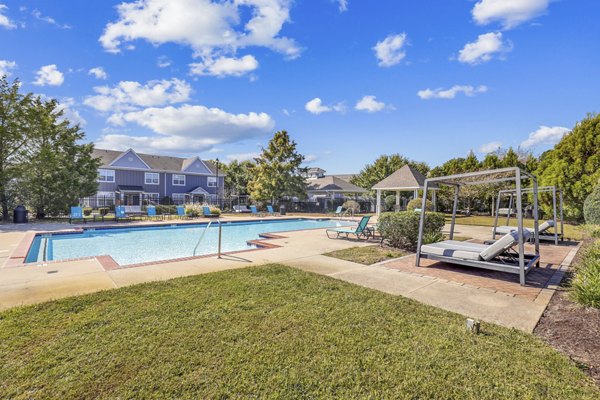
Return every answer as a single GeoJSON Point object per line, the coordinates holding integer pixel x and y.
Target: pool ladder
{"type": "Point", "coordinates": [204, 233]}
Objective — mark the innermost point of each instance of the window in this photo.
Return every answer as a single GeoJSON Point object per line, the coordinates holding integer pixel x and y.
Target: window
{"type": "Point", "coordinates": [178, 180]}
{"type": "Point", "coordinates": [106, 175]}
{"type": "Point", "coordinates": [178, 198]}
{"type": "Point", "coordinates": [152, 178]}
{"type": "Point", "coordinates": [152, 197]}
{"type": "Point", "coordinates": [211, 181]}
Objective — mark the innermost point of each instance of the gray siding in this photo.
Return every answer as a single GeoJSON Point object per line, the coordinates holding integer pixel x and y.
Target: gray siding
{"type": "Point", "coordinates": [130, 160]}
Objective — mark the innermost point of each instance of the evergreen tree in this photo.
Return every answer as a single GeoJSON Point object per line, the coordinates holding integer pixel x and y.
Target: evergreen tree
{"type": "Point", "coordinates": [14, 135]}
{"type": "Point", "coordinates": [60, 169]}
{"type": "Point", "coordinates": [278, 171]}
{"type": "Point", "coordinates": [238, 175]}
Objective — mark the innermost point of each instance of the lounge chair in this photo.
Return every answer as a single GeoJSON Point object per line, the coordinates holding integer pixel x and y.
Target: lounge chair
{"type": "Point", "coordinates": [76, 214]}
{"type": "Point", "coordinates": [206, 212]}
{"type": "Point", "coordinates": [542, 230]}
{"type": "Point", "coordinates": [339, 212]}
{"type": "Point", "coordinates": [497, 256]}
{"type": "Point", "coordinates": [361, 231]}
{"type": "Point", "coordinates": [254, 211]}
{"type": "Point", "coordinates": [121, 214]}
{"type": "Point", "coordinates": [181, 212]}
{"type": "Point", "coordinates": [241, 209]}
{"type": "Point", "coordinates": [151, 212]}
{"type": "Point", "coordinates": [270, 211]}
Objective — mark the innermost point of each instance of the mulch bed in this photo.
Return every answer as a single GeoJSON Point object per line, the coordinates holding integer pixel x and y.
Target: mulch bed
{"type": "Point", "coordinates": [573, 330]}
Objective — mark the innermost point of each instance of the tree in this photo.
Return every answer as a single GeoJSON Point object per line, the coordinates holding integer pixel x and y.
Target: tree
{"type": "Point", "coordinates": [14, 109]}
{"type": "Point", "coordinates": [574, 165]}
{"type": "Point", "coordinates": [238, 175]}
{"type": "Point", "coordinates": [278, 171]}
{"type": "Point", "coordinates": [59, 169]}
{"type": "Point", "coordinates": [383, 167]}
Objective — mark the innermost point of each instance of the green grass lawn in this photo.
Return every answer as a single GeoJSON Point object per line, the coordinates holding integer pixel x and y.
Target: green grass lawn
{"type": "Point", "coordinates": [367, 255]}
{"type": "Point", "coordinates": [574, 232]}
{"type": "Point", "coordinates": [268, 332]}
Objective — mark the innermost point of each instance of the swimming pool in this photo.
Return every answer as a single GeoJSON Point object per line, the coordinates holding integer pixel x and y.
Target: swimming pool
{"type": "Point", "coordinates": [138, 245]}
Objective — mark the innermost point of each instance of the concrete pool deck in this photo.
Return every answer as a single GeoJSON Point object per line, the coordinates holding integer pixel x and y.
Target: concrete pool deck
{"type": "Point", "coordinates": [490, 299]}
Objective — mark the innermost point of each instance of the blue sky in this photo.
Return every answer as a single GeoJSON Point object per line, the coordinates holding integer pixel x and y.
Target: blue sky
{"type": "Point", "coordinates": [349, 80]}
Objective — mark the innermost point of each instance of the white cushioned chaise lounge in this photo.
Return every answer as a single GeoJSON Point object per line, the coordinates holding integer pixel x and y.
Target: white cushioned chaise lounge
{"type": "Point", "coordinates": [498, 256]}
{"type": "Point", "coordinates": [542, 229]}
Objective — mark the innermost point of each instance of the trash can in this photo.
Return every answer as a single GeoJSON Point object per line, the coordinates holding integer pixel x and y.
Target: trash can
{"type": "Point", "coordinates": [282, 210]}
{"type": "Point", "coordinates": [20, 215]}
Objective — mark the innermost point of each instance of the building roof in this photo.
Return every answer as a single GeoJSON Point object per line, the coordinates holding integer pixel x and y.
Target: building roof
{"type": "Point", "coordinates": [129, 188]}
{"type": "Point", "coordinates": [155, 162]}
{"type": "Point", "coordinates": [199, 190]}
{"type": "Point", "coordinates": [406, 178]}
{"type": "Point", "coordinates": [345, 177]}
{"type": "Point", "coordinates": [333, 184]}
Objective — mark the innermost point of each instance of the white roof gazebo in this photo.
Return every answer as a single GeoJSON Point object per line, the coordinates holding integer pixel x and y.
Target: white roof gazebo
{"type": "Point", "coordinates": [406, 179]}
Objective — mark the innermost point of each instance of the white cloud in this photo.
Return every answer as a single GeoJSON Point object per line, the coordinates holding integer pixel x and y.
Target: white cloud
{"type": "Point", "coordinates": [451, 93]}
{"type": "Point", "coordinates": [44, 18]}
{"type": "Point", "coordinates": [163, 62]}
{"type": "Point", "coordinates": [545, 135]}
{"type": "Point", "coordinates": [188, 128]}
{"type": "Point", "coordinates": [211, 29]}
{"type": "Point", "coordinates": [6, 66]}
{"type": "Point", "coordinates": [49, 75]}
{"type": "Point", "coordinates": [243, 156]}
{"type": "Point", "coordinates": [310, 158]}
{"type": "Point", "coordinates": [4, 20]}
{"type": "Point", "coordinates": [315, 106]}
{"type": "Point", "coordinates": [483, 49]}
{"type": "Point", "coordinates": [224, 66]}
{"type": "Point", "coordinates": [68, 106]}
{"type": "Point", "coordinates": [98, 72]}
{"type": "Point", "coordinates": [390, 51]}
{"type": "Point", "coordinates": [130, 95]}
{"type": "Point", "coordinates": [343, 5]}
{"type": "Point", "coordinates": [509, 12]}
{"type": "Point", "coordinates": [490, 147]}
{"type": "Point", "coordinates": [369, 104]}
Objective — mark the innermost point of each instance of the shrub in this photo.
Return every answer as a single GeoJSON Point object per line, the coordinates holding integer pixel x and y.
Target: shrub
{"type": "Point", "coordinates": [417, 203]}
{"type": "Point", "coordinates": [163, 209]}
{"type": "Point", "coordinates": [351, 206]}
{"type": "Point", "coordinates": [390, 202]}
{"type": "Point", "coordinates": [402, 229]}
{"type": "Point", "coordinates": [193, 210]}
{"type": "Point", "coordinates": [591, 207]}
{"type": "Point", "coordinates": [215, 211]}
{"type": "Point", "coordinates": [586, 283]}
{"type": "Point", "coordinates": [433, 237]}
{"type": "Point", "coordinates": [87, 211]}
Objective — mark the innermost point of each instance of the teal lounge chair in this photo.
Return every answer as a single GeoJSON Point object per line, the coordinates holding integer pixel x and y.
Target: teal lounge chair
{"type": "Point", "coordinates": [181, 212]}
{"type": "Point", "coordinates": [76, 214]}
{"type": "Point", "coordinates": [270, 210]}
{"type": "Point", "coordinates": [151, 212]}
{"type": "Point", "coordinates": [254, 211]}
{"type": "Point", "coordinates": [121, 214]}
{"type": "Point", "coordinates": [339, 212]}
{"type": "Point", "coordinates": [206, 212]}
{"type": "Point", "coordinates": [361, 231]}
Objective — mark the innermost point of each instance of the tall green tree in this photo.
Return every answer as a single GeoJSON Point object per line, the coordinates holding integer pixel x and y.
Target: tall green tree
{"type": "Point", "coordinates": [574, 165]}
{"type": "Point", "coordinates": [60, 169]}
{"type": "Point", "coordinates": [238, 175]}
{"type": "Point", "coordinates": [383, 167]}
{"type": "Point", "coordinates": [278, 171]}
{"type": "Point", "coordinates": [14, 135]}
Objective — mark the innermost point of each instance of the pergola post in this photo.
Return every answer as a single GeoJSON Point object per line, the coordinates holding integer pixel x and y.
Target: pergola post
{"type": "Point", "coordinates": [520, 227]}
{"type": "Point", "coordinates": [562, 221]}
{"type": "Point", "coordinates": [554, 215]}
{"type": "Point", "coordinates": [497, 215]}
{"type": "Point", "coordinates": [454, 209]}
{"type": "Point", "coordinates": [536, 219]}
{"type": "Point", "coordinates": [421, 225]}
{"type": "Point", "coordinates": [434, 198]}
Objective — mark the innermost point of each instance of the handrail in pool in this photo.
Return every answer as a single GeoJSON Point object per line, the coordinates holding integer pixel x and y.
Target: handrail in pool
{"type": "Point", "coordinates": [201, 237]}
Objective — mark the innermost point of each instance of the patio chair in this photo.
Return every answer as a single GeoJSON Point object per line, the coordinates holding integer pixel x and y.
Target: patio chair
{"type": "Point", "coordinates": [76, 214]}
{"type": "Point", "coordinates": [206, 212]}
{"type": "Point", "coordinates": [151, 213]}
{"type": "Point", "coordinates": [339, 212]}
{"type": "Point", "coordinates": [542, 230]}
{"type": "Point", "coordinates": [270, 210]}
{"type": "Point", "coordinates": [181, 212]}
{"type": "Point", "coordinates": [498, 256]}
{"type": "Point", "coordinates": [121, 214]}
{"type": "Point", "coordinates": [240, 209]}
{"type": "Point", "coordinates": [254, 211]}
{"type": "Point", "coordinates": [361, 231]}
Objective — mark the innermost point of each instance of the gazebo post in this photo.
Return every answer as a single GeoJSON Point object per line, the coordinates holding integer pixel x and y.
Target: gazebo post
{"type": "Point", "coordinates": [434, 200]}
{"type": "Point", "coordinates": [378, 202]}
{"type": "Point", "coordinates": [397, 200]}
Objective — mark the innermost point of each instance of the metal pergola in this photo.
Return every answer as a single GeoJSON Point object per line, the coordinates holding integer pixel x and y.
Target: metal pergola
{"type": "Point", "coordinates": [512, 174]}
{"type": "Point", "coordinates": [542, 189]}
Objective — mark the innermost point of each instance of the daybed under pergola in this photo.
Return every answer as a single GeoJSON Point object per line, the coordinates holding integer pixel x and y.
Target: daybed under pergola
{"type": "Point", "coordinates": [405, 179]}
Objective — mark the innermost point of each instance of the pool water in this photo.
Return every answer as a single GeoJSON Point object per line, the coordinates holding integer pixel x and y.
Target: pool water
{"type": "Point", "coordinates": [156, 243]}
